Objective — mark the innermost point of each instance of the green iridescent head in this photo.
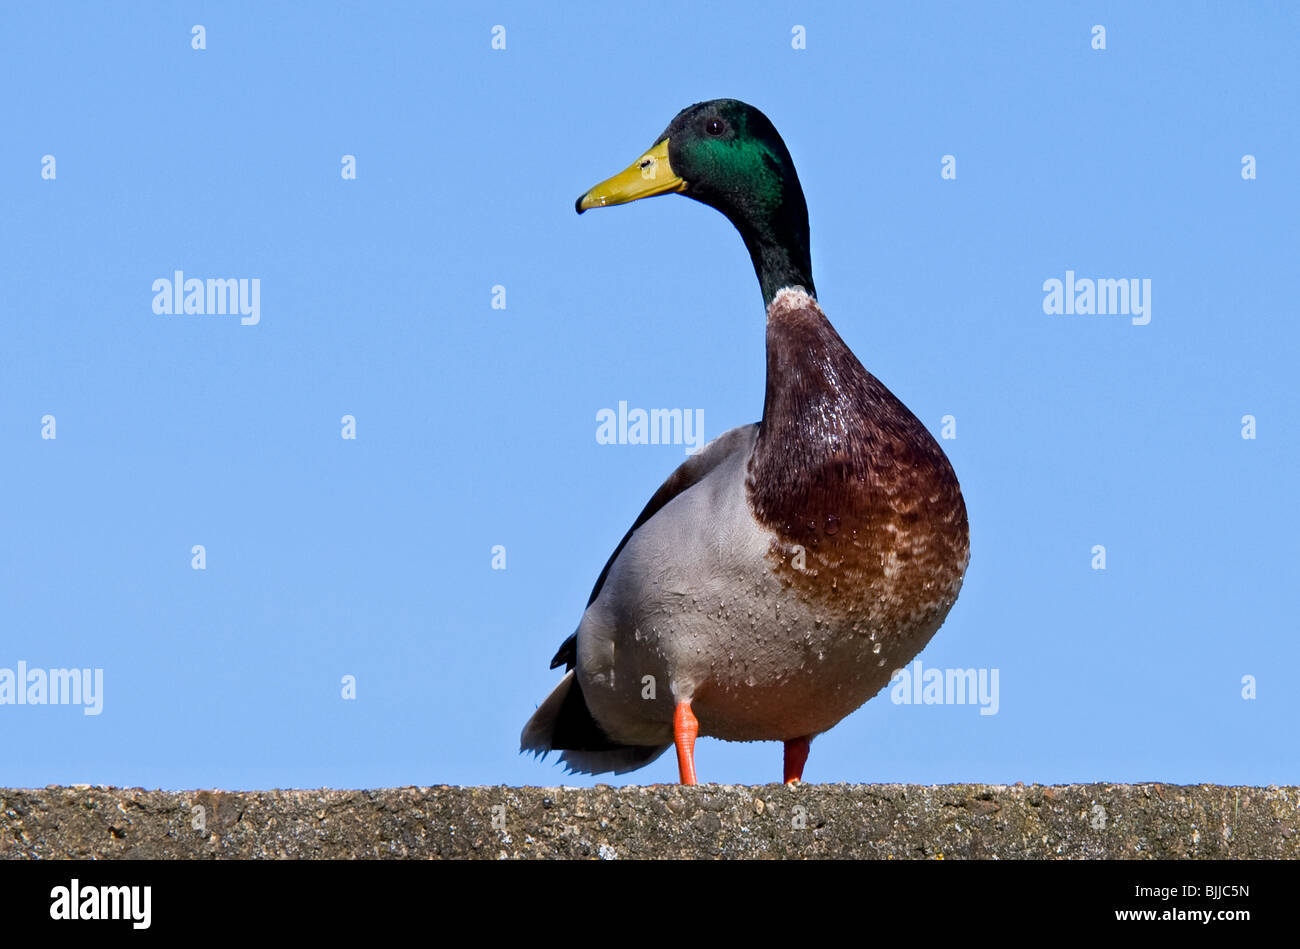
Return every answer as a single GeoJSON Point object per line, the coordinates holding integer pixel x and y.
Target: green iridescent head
{"type": "Point", "coordinates": [728, 155]}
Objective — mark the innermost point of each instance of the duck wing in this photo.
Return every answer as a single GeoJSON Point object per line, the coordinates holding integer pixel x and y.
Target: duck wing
{"type": "Point", "coordinates": [690, 472]}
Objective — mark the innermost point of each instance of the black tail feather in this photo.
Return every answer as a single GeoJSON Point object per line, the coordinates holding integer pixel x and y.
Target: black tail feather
{"type": "Point", "coordinates": [564, 723]}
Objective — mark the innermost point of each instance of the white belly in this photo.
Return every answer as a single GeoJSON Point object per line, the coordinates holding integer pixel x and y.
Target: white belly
{"type": "Point", "coordinates": [693, 610]}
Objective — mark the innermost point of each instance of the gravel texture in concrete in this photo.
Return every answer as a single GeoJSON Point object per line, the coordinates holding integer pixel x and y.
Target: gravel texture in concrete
{"type": "Point", "coordinates": [883, 821]}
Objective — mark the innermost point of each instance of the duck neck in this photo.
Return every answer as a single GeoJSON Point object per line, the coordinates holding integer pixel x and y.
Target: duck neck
{"type": "Point", "coordinates": [780, 265]}
{"type": "Point", "coordinates": [778, 245]}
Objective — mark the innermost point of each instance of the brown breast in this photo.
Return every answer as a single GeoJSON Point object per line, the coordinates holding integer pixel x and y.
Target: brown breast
{"type": "Point", "coordinates": [869, 517]}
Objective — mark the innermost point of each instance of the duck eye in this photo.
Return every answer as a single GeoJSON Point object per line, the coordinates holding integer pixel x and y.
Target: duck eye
{"type": "Point", "coordinates": [714, 126]}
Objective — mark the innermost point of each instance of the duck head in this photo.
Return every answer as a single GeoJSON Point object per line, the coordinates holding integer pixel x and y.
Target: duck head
{"type": "Point", "coordinates": [727, 154]}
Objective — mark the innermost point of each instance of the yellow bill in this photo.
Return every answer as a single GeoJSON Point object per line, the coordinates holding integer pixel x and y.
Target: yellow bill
{"type": "Point", "coordinates": [649, 175]}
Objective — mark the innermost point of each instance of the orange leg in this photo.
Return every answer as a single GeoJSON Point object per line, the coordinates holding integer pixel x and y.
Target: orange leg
{"type": "Point", "coordinates": [796, 755]}
{"type": "Point", "coordinates": [685, 730]}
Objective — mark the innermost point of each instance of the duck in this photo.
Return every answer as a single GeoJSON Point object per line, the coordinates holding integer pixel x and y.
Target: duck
{"type": "Point", "coordinates": [777, 579]}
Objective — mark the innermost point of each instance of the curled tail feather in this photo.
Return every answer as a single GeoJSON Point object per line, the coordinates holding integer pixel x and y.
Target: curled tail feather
{"type": "Point", "coordinates": [564, 723]}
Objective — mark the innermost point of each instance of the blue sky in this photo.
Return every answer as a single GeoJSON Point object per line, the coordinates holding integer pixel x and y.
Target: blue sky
{"type": "Point", "coordinates": [476, 426]}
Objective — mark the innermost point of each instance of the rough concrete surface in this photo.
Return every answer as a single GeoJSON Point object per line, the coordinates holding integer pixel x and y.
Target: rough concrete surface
{"type": "Point", "coordinates": [770, 821]}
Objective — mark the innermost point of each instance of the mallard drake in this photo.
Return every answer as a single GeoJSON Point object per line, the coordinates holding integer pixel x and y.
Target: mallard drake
{"type": "Point", "coordinates": [776, 580]}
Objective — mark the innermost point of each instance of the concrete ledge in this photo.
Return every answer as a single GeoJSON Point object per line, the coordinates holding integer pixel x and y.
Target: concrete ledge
{"type": "Point", "coordinates": [811, 821]}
